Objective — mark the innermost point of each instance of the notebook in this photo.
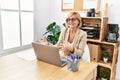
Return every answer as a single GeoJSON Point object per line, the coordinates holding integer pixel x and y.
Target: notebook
{"type": "Point", "coordinates": [47, 53]}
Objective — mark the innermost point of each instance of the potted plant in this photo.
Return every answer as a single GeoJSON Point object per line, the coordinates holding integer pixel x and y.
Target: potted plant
{"type": "Point", "coordinates": [104, 75]}
{"type": "Point", "coordinates": [53, 30]}
{"type": "Point", "coordinates": [105, 56]}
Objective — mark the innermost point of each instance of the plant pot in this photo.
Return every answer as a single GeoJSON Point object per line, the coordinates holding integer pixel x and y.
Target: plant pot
{"type": "Point", "coordinates": [103, 79]}
{"type": "Point", "coordinates": [105, 59]}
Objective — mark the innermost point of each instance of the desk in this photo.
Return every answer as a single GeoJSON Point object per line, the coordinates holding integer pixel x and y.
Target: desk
{"type": "Point", "coordinates": [14, 68]}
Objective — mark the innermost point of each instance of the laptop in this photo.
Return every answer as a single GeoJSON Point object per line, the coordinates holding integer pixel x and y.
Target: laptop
{"type": "Point", "coordinates": [49, 54]}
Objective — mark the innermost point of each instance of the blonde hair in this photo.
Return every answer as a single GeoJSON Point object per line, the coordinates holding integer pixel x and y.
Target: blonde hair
{"type": "Point", "coordinates": [77, 16]}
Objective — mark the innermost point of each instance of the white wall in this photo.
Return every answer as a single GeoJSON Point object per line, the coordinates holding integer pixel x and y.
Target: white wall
{"type": "Point", "coordinates": [48, 11]}
{"type": "Point", "coordinates": [41, 17]}
{"type": "Point", "coordinates": [114, 17]}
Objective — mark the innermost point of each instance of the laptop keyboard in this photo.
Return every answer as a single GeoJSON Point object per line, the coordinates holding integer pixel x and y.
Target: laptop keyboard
{"type": "Point", "coordinates": [63, 62]}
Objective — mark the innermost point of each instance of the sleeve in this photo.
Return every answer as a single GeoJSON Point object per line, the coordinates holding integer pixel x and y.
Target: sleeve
{"type": "Point", "coordinates": [81, 45]}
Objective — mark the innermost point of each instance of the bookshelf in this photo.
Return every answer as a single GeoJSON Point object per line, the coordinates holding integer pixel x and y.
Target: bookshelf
{"type": "Point", "coordinates": [97, 45]}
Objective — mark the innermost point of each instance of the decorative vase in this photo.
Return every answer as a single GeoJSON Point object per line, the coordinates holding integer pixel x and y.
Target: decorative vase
{"type": "Point", "coordinates": [103, 79]}
{"type": "Point", "coordinates": [105, 59]}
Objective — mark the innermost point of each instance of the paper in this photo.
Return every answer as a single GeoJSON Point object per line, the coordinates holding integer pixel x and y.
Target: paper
{"type": "Point", "coordinates": [87, 4]}
{"type": "Point", "coordinates": [68, 4]}
{"type": "Point", "coordinates": [27, 56]}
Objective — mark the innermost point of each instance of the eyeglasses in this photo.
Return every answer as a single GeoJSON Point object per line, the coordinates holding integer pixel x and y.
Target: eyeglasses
{"type": "Point", "coordinates": [71, 19]}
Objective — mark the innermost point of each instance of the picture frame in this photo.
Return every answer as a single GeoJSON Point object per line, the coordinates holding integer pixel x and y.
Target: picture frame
{"type": "Point", "coordinates": [80, 5]}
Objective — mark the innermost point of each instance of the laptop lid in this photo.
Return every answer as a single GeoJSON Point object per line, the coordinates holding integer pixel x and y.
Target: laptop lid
{"type": "Point", "coordinates": [47, 53]}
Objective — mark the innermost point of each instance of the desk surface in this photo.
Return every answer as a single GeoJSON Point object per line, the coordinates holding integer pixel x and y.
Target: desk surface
{"type": "Point", "coordinates": [14, 68]}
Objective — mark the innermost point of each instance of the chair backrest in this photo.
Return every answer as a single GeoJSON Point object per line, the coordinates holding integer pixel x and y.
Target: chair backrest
{"type": "Point", "coordinates": [86, 54]}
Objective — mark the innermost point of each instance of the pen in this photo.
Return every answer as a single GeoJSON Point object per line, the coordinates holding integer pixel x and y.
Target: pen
{"type": "Point", "coordinates": [72, 57]}
{"type": "Point", "coordinates": [76, 57]}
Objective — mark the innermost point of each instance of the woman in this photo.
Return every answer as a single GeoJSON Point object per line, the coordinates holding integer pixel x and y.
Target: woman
{"type": "Point", "coordinates": [72, 39]}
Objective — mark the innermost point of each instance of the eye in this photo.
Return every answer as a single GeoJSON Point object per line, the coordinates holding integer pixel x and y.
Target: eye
{"type": "Point", "coordinates": [71, 19]}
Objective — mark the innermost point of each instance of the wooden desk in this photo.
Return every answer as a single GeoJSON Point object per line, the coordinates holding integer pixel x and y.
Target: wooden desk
{"type": "Point", "coordinates": [14, 68]}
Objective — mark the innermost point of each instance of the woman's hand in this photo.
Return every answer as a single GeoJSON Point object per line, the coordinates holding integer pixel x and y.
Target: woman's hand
{"type": "Point", "coordinates": [44, 41]}
{"type": "Point", "coordinates": [67, 47]}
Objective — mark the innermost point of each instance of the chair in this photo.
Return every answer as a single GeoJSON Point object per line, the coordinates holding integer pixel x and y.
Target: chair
{"type": "Point", "coordinates": [86, 54]}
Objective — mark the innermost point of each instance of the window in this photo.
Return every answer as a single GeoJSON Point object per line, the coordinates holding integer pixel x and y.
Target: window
{"type": "Point", "coordinates": [16, 23]}
{"type": "Point", "coordinates": [10, 29]}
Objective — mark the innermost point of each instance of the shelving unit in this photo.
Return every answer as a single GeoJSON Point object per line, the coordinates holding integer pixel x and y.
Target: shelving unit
{"type": "Point", "coordinates": [96, 22]}
{"type": "Point", "coordinates": [98, 44]}
{"type": "Point", "coordinates": [112, 48]}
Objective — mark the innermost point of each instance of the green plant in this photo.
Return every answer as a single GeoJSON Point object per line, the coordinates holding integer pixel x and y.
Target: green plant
{"type": "Point", "coordinates": [53, 30]}
{"type": "Point", "coordinates": [64, 24]}
{"type": "Point", "coordinates": [104, 75]}
{"type": "Point", "coordinates": [105, 54]}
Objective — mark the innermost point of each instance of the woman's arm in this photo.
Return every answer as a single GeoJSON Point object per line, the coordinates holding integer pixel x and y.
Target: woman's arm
{"type": "Point", "coordinates": [81, 45]}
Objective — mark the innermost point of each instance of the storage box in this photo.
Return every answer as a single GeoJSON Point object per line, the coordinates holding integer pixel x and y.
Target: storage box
{"type": "Point", "coordinates": [95, 52]}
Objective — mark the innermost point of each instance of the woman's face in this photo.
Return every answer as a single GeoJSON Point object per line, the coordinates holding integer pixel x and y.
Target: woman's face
{"type": "Point", "coordinates": [73, 22]}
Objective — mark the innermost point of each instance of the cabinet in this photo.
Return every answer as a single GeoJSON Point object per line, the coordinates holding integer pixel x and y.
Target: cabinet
{"type": "Point", "coordinates": [97, 45]}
